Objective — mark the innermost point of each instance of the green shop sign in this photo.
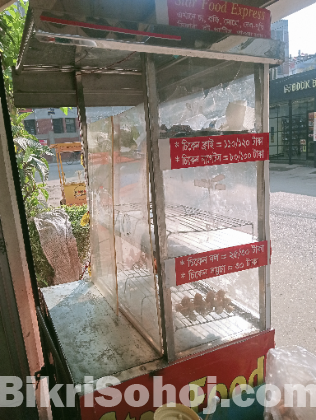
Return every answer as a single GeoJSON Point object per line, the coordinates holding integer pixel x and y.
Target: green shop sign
{"type": "Point", "coordinates": [294, 87]}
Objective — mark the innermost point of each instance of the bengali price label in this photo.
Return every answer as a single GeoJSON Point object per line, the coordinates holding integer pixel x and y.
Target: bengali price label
{"type": "Point", "coordinates": [215, 15]}
{"type": "Point", "coordinates": [196, 267]}
{"type": "Point", "coordinates": [186, 152]}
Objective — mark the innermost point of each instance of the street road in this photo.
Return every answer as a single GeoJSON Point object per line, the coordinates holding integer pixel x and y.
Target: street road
{"type": "Point", "coordinates": [293, 274]}
{"type": "Point", "coordinates": [69, 170]}
{"type": "Point", "coordinates": [53, 184]}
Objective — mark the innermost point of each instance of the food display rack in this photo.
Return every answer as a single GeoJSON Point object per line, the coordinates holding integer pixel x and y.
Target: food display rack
{"type": "Point", "coordinates": [174, 127]}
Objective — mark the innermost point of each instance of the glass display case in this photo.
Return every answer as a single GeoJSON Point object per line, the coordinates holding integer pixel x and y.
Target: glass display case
{"type": "Point", "coordinates": [181, 249]}
{"type": "Point", "coordinates": [174, 127]}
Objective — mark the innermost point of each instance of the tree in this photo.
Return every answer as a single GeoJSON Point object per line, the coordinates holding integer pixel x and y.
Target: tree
{"type": "Point", "coordinates": [30, 154]}
{"type": "Point", "coordinates": [30, 159]}
{"type": "Point", "coordinates": [12, 22]}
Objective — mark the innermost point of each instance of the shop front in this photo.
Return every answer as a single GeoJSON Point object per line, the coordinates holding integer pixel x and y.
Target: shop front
{"type": "Point", "coordinates": [292, 118]}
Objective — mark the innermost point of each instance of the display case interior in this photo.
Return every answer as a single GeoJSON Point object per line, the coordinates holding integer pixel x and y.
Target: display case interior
{"type": "Point", "coordinates": [204, 208]}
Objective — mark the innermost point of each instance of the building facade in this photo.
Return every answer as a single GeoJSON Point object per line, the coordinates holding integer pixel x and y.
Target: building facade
{"type": "Point", "coordinates": [292, 118]}
{"type": "Point", "coordinates": [51, 126]}
{"type": "Point", "coordinates": [280, 31]}
{"type": "Point", "coordinates": [302, 63]}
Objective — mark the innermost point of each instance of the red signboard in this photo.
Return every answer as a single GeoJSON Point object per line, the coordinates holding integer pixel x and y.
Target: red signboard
{"type": "Point", "coordinates": [220, 16]}
{"type": "Point", "coordinates": [25, 110]}
{"type": "Point", "coordinates": [222, 261]}
{"type": "Point", "coordinates": [241, 362]}
{"type": "Point", "coordinates": [106, 28]}
{"type": "Point", "coordinates": [188, 152]}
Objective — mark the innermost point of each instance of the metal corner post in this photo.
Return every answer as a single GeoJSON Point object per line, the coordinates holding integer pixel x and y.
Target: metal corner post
{"type": "Point", "coordinates": [82, 120]}
{"type": "Point", "coordinates": [158, 201]}
{"type": "Point", "coordinates": [263, 193]}
{"type": "Point", "coordinates": [266, 175]}
{"type": "Point", "coordinates": [290, 131]}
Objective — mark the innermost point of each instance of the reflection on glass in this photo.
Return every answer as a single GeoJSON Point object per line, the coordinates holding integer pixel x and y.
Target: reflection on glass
{"type": "Point", "coordinates": [99, 135]}
{"type": "Point", "coordinates": [214, 207]}
{"type": "Point", "coordinates": [199, 102]}
{"type": "Point", "coordinates": [137, 290]}
{"type": "Point", "coordinates": [122, 253]}
{"type": "Point", "coordinates": [206, 204]}
{"type": "Point", "coordinates": [198, 319]}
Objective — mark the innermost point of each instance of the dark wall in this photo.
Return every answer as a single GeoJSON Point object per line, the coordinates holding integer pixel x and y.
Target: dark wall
{"type": "Point", "coordinates": [298, 86]}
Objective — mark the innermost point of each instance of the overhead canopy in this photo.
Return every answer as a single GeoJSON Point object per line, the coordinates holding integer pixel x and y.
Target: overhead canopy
{"type": "Point", "coordinates": [5, 3]}
{"type": "Point", "coordinates": [109, 61]}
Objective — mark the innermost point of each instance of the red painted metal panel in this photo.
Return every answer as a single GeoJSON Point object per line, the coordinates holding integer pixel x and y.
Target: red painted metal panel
{"type": "Point", "coordinates": [220, 16]}
{"type": "Point", "coordinates": [218, 150]}
{"type": "Point", "coordinates": [242, 361]}
{"type": "Point", "coordinates": [107, 28]}
{"type": "Point", "coordinates": [222, 261]}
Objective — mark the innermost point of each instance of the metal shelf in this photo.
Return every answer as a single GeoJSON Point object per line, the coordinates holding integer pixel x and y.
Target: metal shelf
{"type": "Point", "coordinates": [198, 326]}
{"type": "Point", "coordinates": [195, 220]}
{"type": "Point", "coordinates": [197, 317]}
{"type": "Point", "coordinates": [208, 327]}
{"type": "Point", "coordinates": [186, 219]}
{"type": "Point", "coordinates": [190, 230]}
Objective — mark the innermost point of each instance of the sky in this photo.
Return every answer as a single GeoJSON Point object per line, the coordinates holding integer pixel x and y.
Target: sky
{"type": "Point", "coordinates": [302, 29]}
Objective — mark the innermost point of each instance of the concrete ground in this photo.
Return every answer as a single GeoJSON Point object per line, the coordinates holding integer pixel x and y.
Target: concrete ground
{"type": "Point", "coordinates": [293, 275]}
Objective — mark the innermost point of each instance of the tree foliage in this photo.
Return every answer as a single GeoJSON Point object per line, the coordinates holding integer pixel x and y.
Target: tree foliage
{"type": "Point", "coordinates": [30, 160]}
{"type": "Point", "coordinates": [30, 154]}
{"type": "Point", "coordinates": [12, 22]}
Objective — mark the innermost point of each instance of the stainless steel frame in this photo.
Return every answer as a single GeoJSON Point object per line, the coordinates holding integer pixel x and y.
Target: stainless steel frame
{"type": "Point", "coordinates": [265, 123]}
{"type": "Point", "coordinates": [262, 52]}
{"type": "Point", "coordinates": [261, 84]}
{"type": "Point", "coordinates": [239, 54]}
{"type": "Point", "coordinates": [263, 193]}
{"type": "Point", "coordinates": [158, 207]}
{"type": "Point", "coordinates": [83, 122]}
{"type": "Point", "coordinates": [157, 192]}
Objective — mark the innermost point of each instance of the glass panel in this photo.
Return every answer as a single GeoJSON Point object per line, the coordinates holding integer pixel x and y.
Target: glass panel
{"type": "Point", "coordinates": [58, 125]}
{"type": "Point", "coordinates": [311, 149]}
{"type": "Point", "coordinates": [210, 208]}
{"type": "Point", "coordinates": [273, 137]}
{"type": "Point", "coordinates": [273, 152]}
{"type": "Point", "coordinates": [273, 111]}
{"type": "Point", "coordinates": [280, 145]}
{"type": "Point", "coordinates": [202, 325]}
{"type": "Point", "coordinates": [70, 125]}
{"type": "Point", "coordinates": [311, 143]}
{"type": "Point", "coordinates": [137, 289]}
{"type": "Point", "coordinates": [279, 121]}
{"type": "Point", "coordinates": [202, 216]}
{"type": "Point", "coordinates": [284, 109]}
{"type": "Point", "coordinates": [119, 198]}
{"type": "Point", "coordinates": [299, 131]}
{"type": "Point", "coordinates": [30, 126]}
{"type": "Point", "coordinates": [208, 99]}
{"type": "Point", "coordinates": [99, 135]}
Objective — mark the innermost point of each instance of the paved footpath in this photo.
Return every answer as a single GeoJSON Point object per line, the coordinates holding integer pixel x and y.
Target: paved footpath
{"type": "Point", "coordinates": [293, 271]}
